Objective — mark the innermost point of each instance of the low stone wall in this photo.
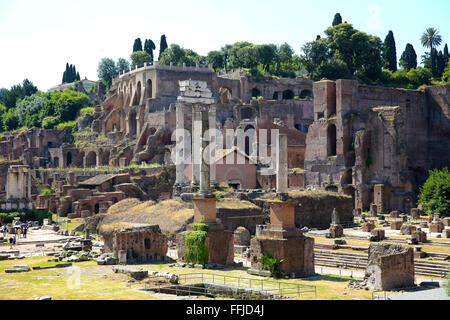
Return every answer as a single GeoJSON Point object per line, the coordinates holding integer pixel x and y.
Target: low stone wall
{"type": "Point", "coordinates": [315, 208]}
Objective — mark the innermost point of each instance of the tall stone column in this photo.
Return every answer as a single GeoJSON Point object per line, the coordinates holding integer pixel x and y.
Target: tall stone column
{"type": "Point", "coordinates": [196, 143]}
{"type": "Point", "coordinates": [179, 179]}
{"type": "Point", "coordinates": [282, 165]}
{"type": "Point", "coordinates": [204, 170]}
{"type": "Point", "coordinates": [212, 137]}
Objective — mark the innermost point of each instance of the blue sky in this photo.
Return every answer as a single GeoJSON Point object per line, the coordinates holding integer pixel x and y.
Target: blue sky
{"type": "Point", "coordinates": [38, 37]}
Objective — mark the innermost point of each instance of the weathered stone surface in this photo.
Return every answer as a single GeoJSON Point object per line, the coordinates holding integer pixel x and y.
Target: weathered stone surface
{"type": "Point", "coordinates": [368, 227]}
{"type": "Point", "coordinates": [396, 225]}
{"type": "Point", "coordinates": [407, 229]}
{"type": "Point", "coordinates": [242, 237]}
{"type": "Point", "coordinates": [390, 266]}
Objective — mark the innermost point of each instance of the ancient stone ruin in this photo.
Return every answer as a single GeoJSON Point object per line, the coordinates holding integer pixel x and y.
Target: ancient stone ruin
{"type": "Point", "coordinates": [284, 240]}
{"type": "Point", "coordinates": [390, 266]}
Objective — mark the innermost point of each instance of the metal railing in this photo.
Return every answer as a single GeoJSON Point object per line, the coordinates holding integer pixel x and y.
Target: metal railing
{"type": "Point", "coordinates": [234, 286]}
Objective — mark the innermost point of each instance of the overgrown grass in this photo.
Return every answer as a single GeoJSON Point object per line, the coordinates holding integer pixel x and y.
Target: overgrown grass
{"type": "Point", "coordinates": [66, 124]}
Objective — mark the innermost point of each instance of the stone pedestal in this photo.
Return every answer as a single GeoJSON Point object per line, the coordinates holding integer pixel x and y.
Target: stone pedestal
{"type": "Point", "coordinates": [284, 241]}
{"type": "Point", "coordinates": [446, 233]}
{"type": "Point", "coordinates": [394, 214]}
{"type": "Point", "coordinates": [407, 229]}
{"type": "Point", "coordinates": [419, 236]}
{"type": "Point", "coordinates": [416, 213]}
{"type": "Point", "coordinates": [220, 242]}
{"type": "Point", "coordinates": [396, 225]}
{"type": "Point", "coordinates": [379, 234]}
{"type": "Point", "coordinates": [336, 231]}
{"type": "Point", "coordinates": [446, 221]}
{"type": "Point", "coordinates": [373, 210]}
{"type": "Point", "coordinates": [368, 227]}
{"type": "Point", "coordinates": [436, 227]}
{"type": "Point", "coordinates": [122, 256]}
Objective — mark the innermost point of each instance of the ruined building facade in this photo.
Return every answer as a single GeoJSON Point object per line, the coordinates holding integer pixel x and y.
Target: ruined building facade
{"type": "Point", "coordinates": [377, 144]}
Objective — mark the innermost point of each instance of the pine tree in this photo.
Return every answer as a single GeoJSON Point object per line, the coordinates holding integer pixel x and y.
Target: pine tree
{"type": "Point", "coordinates": [409, 58]}
{"type": "Point", "coordinates": [390, 52]}
{"type": "Point", "coordinates": [337, 19]}
{"type": "Point", "coordinates": [162, 45]}
{"type": "Point", "coordinates": [137, 46]}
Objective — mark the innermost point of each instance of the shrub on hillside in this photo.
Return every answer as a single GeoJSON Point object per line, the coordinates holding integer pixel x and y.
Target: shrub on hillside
{"type": "Point", "coordinates": [435, 193]}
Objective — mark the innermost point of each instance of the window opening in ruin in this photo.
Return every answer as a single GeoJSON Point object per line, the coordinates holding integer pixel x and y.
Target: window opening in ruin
{"type": "Point", "coordinates": [320, 115]}
{"type": "Point", "coordinates": [256, 93]}
{"type": "Point", "coordinates": [275, 96]}
{"type": "Point", "coordinates": [148, 89]}
{"type": "Point", "coordinates": [68, 159]}
{"type": "Point", "coordinates": [331, 141]}
{"type": "Point", "coordinates": [288, 95]}
{"type": "Point", "coordinates": [306, 94]}
{"type": "Point", "coordinates": [147, 244]}
{"type": "Point", "coordinates": [96, 208]}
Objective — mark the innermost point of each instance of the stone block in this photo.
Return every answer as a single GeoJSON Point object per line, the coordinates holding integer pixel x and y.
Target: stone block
{"type": "Point", "coordinates": [446, 233]}
{"type": "Point", "coordinates": [446, 221]}
{"type": "Point", "coordinates": [368, 227]}
{"type": "Point", "coordinates": [396, 225]}
{"type": "Point", "coordinates": [336, 231]}
{"type": "Point", "coordinates": [390, 266]}
{"type": "Point", "coordinates": [378, 233]}
{"type": "Point", "coordinates": [407, 229]}
{"type": "Point", "coordinates": [394, 214]}
{"type": "Point", "coordinates": [436, 227]}
{"type": "Point", "coordinates": [419, 236]}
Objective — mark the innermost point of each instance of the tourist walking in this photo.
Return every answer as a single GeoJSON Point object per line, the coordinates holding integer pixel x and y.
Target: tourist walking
{"type": "Point", "coordinates": [25, 230]}
{"type": "Point", "coordinates": [19, 232]}
{"type": "Point", "coordinates": [4, 231]}
{"type": "Point", "coordinates": [14, 240]}
{"type": "Point", "coordinates": [10, 242]}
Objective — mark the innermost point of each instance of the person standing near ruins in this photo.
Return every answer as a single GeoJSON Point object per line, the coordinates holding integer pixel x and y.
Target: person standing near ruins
{"type": "Point", "coordinates": [19, 232]}
{"type": "Point", "coordinates": [4, 231]}
{"type": "Point", "coordinates": [25, 229]}
{"type": "Point", "coordinates": [10, 242]}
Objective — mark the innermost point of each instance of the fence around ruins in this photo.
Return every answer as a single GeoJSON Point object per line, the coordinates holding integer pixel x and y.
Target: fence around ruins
{"type": "Point", "coordinates": [195, 284]}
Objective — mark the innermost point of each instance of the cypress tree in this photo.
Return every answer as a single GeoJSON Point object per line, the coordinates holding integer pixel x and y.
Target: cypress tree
{"type": "Point", "coordinates": [390, 52]}
{"type": "Point", "coordinates": [149, 46]}
{"type": "Point", "coordinates": [409, 58]}
{"type": "Point", "coordinates": [137, 46]}
{"type": "Point", "coordinates": [78, 76]}
{"type": "Point", "coordinates": [434, 63]}
{"type": "Point", "coordinates": [446, 55]}
{"type": "Point", "coordinates": [337, 19]}
{"type": "Point", "coordinates": [162, 45]}
{"type": "Point", "coordinates": [440, 64]}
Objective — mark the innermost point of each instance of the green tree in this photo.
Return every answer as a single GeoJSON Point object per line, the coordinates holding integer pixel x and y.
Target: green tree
{"type": "Point", "coordinates": [149, 46]}
{"type": "Point", "coordinates": [446, 54]}
{"type": "Point", "coordinates": [440, 64]}
{"type": "Point", "coordinates": [178, 55]}
{"type": "Point", "coordinates": [434, 63]}
{"type": "Point", "coordinates": [418, 77]}
{"type": "Point", "coordinates": [17, 92]}
{"type": "Point", "coordinates": [140, 57]}
{"type": "Point", "coordinates": [409, 58]}
{"type": "Point", "coordinates": [217, 60]}
{"type": "Point", "coordinates": [435, 193]}
{"type": "Point", "coordinates": [162, 45]}
{"type": "Point", "coordinates": [390, 52]}
{"type": "Point", "coordinates": [122, 65]}
{"type": "Point", "coordinates": [106, 70]}
{"type": "Point", "coordinates": [431, 38]}
{"type": "Point", "coordinates": [446, 74]}
{"type": "Point", "coordinates": [337, 19]}
{"type": "Point", "coordinates": [137, 46]}
{"type": "Point", "coordinates": [266, 54]}
{"type": "Point", "coordinates": [27, 110]}
{"type": "Point", "coordinates": [9, 120]}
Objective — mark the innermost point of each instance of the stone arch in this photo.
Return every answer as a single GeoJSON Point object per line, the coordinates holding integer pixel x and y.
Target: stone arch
{"type": "Point", "coordinates": [256, 93]}
{"type": "Point", "coordinates": [306, 94]}
{"type": "Point", "coordinates": [91, 159]}
{"type": "Point", "coordinates": [248, 143]}
{"type": "Point", "coordinates": [149, 89]}
{"type": "Point", "coordinates": [132, 122]}
{"type": "Point", "coordinates": [79, 160]}
{"type": "Point", "coordinates": [68, 159]}
{"type": "Point", "coordinates": [331, 140]}
{"type": "Point", "coordinates": [104, 159]}
{"type": "Point", "coordinates": [137, 94]}
{"type": "Point", "coordinates": [288, 95]}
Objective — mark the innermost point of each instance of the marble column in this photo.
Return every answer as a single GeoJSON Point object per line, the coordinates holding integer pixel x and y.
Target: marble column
{"type": "Point", "coordinates": [282, 165]}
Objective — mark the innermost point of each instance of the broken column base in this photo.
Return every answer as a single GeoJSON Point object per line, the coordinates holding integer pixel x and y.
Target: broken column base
{"type": "Point", "coordinates": [336, 231]}
{"type": "Point", "coordinates": [297, 251]}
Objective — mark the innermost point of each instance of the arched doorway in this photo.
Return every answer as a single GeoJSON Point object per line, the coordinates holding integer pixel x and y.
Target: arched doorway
{"type": "Point", "coordinates": [288, 95]}
{"type": "Point", "coordinates": [91, 160]}
{"type": "Point", "coordinates": [256, 93]}
{"type": "Point", "coordinates": [132, 123]}
{"type": "Point", "coordinates": [331, 140]}
{"type": "Point", "coordinates": [306, 94]}
{"type": "Point", "coordinates": [68, 159]}
{"type": "Point", "coordinates": [148, 89]}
